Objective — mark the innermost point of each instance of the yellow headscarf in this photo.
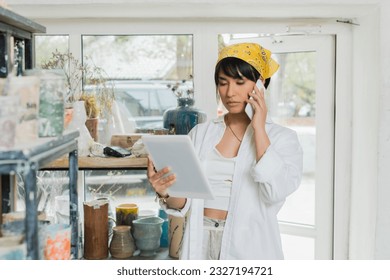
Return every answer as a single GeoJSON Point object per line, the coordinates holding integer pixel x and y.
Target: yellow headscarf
{"type": "Point", "coordinates": [254, 54]}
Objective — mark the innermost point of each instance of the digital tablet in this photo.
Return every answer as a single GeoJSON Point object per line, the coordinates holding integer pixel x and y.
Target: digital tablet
{"type": "Point", "coordinates": [178, 153]}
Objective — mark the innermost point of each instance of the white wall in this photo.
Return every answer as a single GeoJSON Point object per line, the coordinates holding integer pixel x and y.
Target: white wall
{"type": "Point", "coordinates": [365, 135]}
{"type": "Point", "coordinates": [370, 177]}
{"type": "Point", "coordinates": [382, 250]}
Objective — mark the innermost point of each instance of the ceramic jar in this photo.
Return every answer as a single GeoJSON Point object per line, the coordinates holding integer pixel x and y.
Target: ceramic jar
{"type": "Point", "coordinates": [56, 242]}
{"type": "Point", "coordinates": [92, 125]}
{"type": "Point", "coordinates": [184, 117]}
{"type": "Point", "coordinates": [175, 234]}
{"type": "Point", "coordinates": [147, 234]}
{"type": "Point", "coordinates": [122, 244]}
{"type": "Point", "coordinates": [126, 213]}
{"type": "Point", "coordinates": [164, 240]}
{"type": "Point", "coordinates": [96, 229]}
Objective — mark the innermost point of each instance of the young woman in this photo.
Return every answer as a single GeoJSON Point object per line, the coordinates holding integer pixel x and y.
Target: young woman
{"type": "Point", "coordinates": [252, 166]}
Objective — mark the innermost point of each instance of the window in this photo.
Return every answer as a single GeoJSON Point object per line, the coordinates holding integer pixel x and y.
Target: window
{"type": "Point", "coordinates": [143, 70]}
{"type": "Point", "coordinates": [45, 45]}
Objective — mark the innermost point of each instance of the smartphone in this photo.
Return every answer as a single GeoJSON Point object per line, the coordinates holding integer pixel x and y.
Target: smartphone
{"type": "Point", "coordinates": [248, 107]}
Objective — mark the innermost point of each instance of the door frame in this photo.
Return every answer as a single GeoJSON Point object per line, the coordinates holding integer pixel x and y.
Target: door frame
{"type": "Point", "coordinates": [324, 46]}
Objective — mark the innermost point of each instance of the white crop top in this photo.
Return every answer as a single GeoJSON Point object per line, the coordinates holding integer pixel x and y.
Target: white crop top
{"type": "Point", "coordinates": [219, 171]}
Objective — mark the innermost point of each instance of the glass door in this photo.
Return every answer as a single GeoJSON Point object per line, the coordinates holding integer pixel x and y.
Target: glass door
{"type": "Point", "coordinates": [301, 96]}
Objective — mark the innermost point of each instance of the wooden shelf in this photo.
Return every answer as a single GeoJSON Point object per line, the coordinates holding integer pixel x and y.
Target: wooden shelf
{"type": "Point", "coordinates": [88, 163]}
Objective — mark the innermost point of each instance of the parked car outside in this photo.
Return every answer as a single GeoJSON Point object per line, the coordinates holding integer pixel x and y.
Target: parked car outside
{"type": "Point", "coordinates": [146, 101]}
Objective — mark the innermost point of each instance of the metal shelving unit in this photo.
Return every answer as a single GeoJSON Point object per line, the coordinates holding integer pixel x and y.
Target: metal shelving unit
{"type": "Point", "coordinates": [16, 42]}
{"type": "Point", "coordinates": [27, 161]}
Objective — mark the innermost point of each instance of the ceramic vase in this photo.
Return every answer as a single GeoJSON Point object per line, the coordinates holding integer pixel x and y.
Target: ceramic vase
{"type": "Point", "coordinates": [126, 213]}
{"type": "Point", "coordinates": [176, 235]}
{"type": "Point", "coordinates": [122, 244]}
{"type": "Point", "coordinates": [96, 230]}
{"type": "Point", "coordinates": [184, 117]}
{"type": "Point", "coordinates": [92, 126]}
{"type": "Point", "coordinates": [79, 117]}
{"type": "Point", "coordinates": [68, 116]}
{"type": "Point", "coordinates": [164, 240]}
{"type": "Point", "coordinates": [147, 234]}
{"type": "Point", "coordinates": [56, 245]}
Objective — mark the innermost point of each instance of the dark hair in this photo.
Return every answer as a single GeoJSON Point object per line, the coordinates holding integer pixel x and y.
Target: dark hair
{"type": "Point", "coordinates": [236, 68]}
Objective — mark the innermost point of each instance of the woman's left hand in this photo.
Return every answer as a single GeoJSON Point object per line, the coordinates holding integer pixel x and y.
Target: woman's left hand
{"type": "Point", "coordinates": [160, 180]}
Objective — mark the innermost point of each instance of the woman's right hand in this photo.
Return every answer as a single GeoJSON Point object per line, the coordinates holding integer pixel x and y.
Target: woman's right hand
{"type": "Point", "coordinates": [160, 180]}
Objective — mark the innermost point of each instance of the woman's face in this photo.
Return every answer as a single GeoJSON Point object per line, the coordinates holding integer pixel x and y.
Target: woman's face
{"type": "Point", "coordinates": [234, 92]}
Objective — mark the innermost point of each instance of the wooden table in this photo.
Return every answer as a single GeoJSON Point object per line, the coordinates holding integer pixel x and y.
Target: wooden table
{"type": "Point", "coordinates": [96, 163]}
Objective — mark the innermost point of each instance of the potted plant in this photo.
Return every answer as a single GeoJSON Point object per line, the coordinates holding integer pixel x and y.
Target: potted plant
{"type": "Point", "coordinates": [92, 110]}
{"type": "Point", "coordinates": [98, 97]}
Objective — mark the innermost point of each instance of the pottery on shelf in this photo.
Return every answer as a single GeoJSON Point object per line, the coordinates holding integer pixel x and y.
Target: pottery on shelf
{"type": "Point", "coordinates": [122, 244]}
{"type": "Point", "coordinates": [126, 213]}
{"type": "Point", "coordinates": [96, 229]}
{"type": "Point", "coordinates": [92, 126]}
{"type": "Point", "coordinates": [79, 118]}
{"type": "Point", "coordinates": [184, 117]}
{"type": "Point", "coordinates": [147, 234]}
{"type": "Point", "coordinates": [56, 242]}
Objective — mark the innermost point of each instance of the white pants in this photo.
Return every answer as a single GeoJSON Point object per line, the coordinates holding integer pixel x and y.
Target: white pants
{"type": "Point", "coordinates": [212, 238]}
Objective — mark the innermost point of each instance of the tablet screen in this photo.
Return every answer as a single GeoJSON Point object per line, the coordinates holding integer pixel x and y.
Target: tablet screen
{"type": "Point", "coordinates": [177, 152]}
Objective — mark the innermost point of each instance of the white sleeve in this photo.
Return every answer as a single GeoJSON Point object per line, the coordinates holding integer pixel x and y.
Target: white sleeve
{"type": "Point", "coordinates": [279, 171]}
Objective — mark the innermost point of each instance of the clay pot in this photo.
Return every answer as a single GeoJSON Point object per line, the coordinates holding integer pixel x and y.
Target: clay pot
{"type": "Point", "coordinates": [147, 234]}
{"type": "Point", "coordinates": [96, 229]}
{"type": "Point", "coordinates": [176, 235]}
{"type": "Point", "coordinates": [122, 244]}
{"type": "Point", "coordinates": [92, 126]}
{"type": "Point", "coordinates": [126, 213]}
{"type": "Point", "coordinates": [56, 242]}
{"type": "Point", "coordinates": [68, 116]}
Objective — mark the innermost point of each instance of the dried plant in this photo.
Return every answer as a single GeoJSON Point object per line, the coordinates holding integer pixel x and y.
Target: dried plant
{"type": "Point", "coordinates": [91, 107]}
{"type": "Point", "coordinates": [182, 89]}
{"type": "Point", "coordinates": [73, 72]}
{"type": "Point", "coordinates": [76, 74]}
{"type": "Point", "coordinates": [108, 187]}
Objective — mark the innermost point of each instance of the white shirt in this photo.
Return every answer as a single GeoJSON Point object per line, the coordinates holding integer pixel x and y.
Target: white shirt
{"type": "Point", "coordinates": [259, 190]}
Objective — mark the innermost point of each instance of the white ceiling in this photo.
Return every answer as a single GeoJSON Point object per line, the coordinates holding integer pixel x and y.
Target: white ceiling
{"type": "Point", "coordinates": [303, 2]}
